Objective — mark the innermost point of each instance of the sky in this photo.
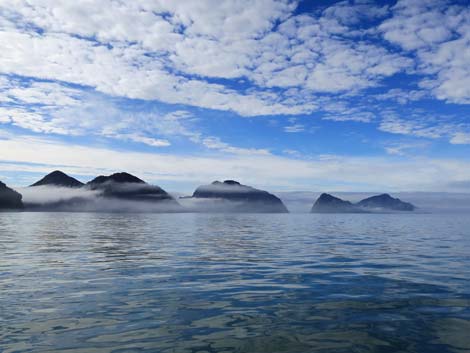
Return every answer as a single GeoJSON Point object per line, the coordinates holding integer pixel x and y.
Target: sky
{"type": "Point", "coordinates": [283, 95]}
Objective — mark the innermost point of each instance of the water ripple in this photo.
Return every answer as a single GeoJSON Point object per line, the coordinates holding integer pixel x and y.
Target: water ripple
{"type": "Point", "coordinates": [193, 283]}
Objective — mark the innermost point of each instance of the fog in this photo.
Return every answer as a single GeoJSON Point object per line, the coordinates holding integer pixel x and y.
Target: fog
{"type": "Point", "coordinates": [218, 205]}
{"type": "Point", "coordinates": [226, 188]}
{"type": "Point", "coordinates": [50, 198]}
{"type": "Point", "coordinates": [41, 195]}
{"type": "Point", "coordinates": [86, 200]}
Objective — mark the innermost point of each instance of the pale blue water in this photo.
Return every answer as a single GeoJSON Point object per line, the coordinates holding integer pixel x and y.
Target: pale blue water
{"type": "Point", "coordinates": [234, 283]}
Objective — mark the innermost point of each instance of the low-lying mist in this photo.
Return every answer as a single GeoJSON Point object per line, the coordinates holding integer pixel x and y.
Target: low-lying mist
{"type": "Point", "coordinates": [218, 205]}
{"type": "Point", "coordinates": [47, 198]}
{"type": "Point", "coordinates": [86, 200]}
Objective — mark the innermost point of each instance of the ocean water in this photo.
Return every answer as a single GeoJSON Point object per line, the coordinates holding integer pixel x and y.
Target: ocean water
{"type": "Point", "coordinates": [234, 283]}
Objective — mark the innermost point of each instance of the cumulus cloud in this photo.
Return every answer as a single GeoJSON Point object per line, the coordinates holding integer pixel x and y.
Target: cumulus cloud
{"type": "Point", "coordinates": [437, 33]}
{"type": "Point", "coordinates": [170, 52]}
{"type": "Point", "coordinates": [64, 65]}
{"type": "Point", "coordinates": [402, 96]}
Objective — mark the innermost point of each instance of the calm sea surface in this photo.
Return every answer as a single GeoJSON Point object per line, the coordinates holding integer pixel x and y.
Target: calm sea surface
{"type": "Point", "coordinates": [234, 283]}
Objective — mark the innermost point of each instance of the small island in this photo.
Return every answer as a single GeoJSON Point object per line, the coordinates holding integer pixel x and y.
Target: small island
{"type": "Point", "coordinates": [327, 203]}
{"type": "Point", "coordinates": [231, 196]}
{"type": "Point", "coordinates": [128, 187]}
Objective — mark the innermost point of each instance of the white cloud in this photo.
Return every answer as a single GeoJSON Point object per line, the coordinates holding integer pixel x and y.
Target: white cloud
{"type": "Point", "coordinates": [426, 126]}
{"type": "Point", "coordinates": [414, 127]}
{"type": "Point", "coordinates": [195, 53]}
{"type": "Point", "coordinates": [438, 33]}
{"type": "Point", "coordinates": [169, 51]}
{"type": "Point", "coordinates": [460, 138]}
{"type": "Point", "coordinates": [67, 111]}
{"type": "Point", "coordinates": [266, 171]}
{"type": "Point", "coordinates": [402, 148]}
{"type": "Point", "coordinates": [344, 111]}
{"type": "Point", "coordinates": [353, 12]}
{"type": "Point", "coordinates": [402, 96]}
{"type": "Point", "coordinates": [294, 126]}
{"type": "Point", "coordinates": [217, 144]}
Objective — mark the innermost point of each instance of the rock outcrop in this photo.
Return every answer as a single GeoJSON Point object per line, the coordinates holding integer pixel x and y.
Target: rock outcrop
{"type": "Point", "coordinates": [9, 198]}
{"type": "Point", "coordinates": [240, 198]}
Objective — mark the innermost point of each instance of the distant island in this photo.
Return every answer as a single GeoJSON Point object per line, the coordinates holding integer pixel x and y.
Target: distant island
{"type": "Point", "coordinates": [128, 187]}
{"type": "Point", "coordinates": [115, 192]}
{"type": "Point", "coordinates": [124, 192]}
{"type": "Point", "coordinates": [236, 197]}
{"type": "Point", "coordinates": [327, 203]}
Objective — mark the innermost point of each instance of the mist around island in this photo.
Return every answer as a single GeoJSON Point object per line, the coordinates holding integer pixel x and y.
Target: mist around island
{"type": "Point", "coordinates": [123, 192]}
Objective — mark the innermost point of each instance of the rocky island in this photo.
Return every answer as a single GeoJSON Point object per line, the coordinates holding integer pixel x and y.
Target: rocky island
{"type": "Point", "coordinates": [385, 201]}
{"type": "Point", "coordinates": [231, 196]}
{"type": "Point", "coordinates": [124, 192]}
{"type": "Point", "coordinates": [327, 203]}
{"type": "Point", "coordinates": [128, 187]}
{"type": "Point", "coordinates": [119, 192]}
{"type": "Point", "coordinates": [9, 198]}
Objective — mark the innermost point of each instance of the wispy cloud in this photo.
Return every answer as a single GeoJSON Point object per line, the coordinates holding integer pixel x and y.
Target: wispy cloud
{"type": "Point", "coordinates": [426, 126]}
{"type": "Point", "coordinates": [294, 126]}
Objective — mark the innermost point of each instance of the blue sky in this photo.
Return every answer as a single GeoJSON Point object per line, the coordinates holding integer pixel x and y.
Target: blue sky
{"type": "Point", "coordinates": [309, 95]}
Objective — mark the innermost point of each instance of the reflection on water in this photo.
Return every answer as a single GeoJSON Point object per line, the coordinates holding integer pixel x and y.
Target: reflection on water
{"type": "Point", "coordinates": [234, 283]}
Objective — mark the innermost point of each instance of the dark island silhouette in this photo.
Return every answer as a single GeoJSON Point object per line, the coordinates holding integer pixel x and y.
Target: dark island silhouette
{"type": "Point", "coordinates": [385, 201]}
{"type": "Point", "coordinates": [58, 178]}
{"type": "Point", "coordinates": [128, 187]}
{"type": "Point", "coordinates": [240, 198]}
{"type": "Point", "coordinates": [118, 192]}
{"type": "Point", "coordinates": [327, 203]}
{"type": "Point", "coordinates": [9, 198]}
{"type": "Point", "coordinates": [123, 192]}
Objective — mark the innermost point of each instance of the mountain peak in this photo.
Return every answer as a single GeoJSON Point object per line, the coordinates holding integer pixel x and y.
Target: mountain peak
{"type": "Point", "coordinates": [226, 182]}
{"type": "Point", "coordinates": [327, 203]}
{"type": "Point", "coordinates": [59, 178]}
{"type": "Point", "coordinates": [231, 182]}
{"type": "Point", "coordinates": [121, 177]}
